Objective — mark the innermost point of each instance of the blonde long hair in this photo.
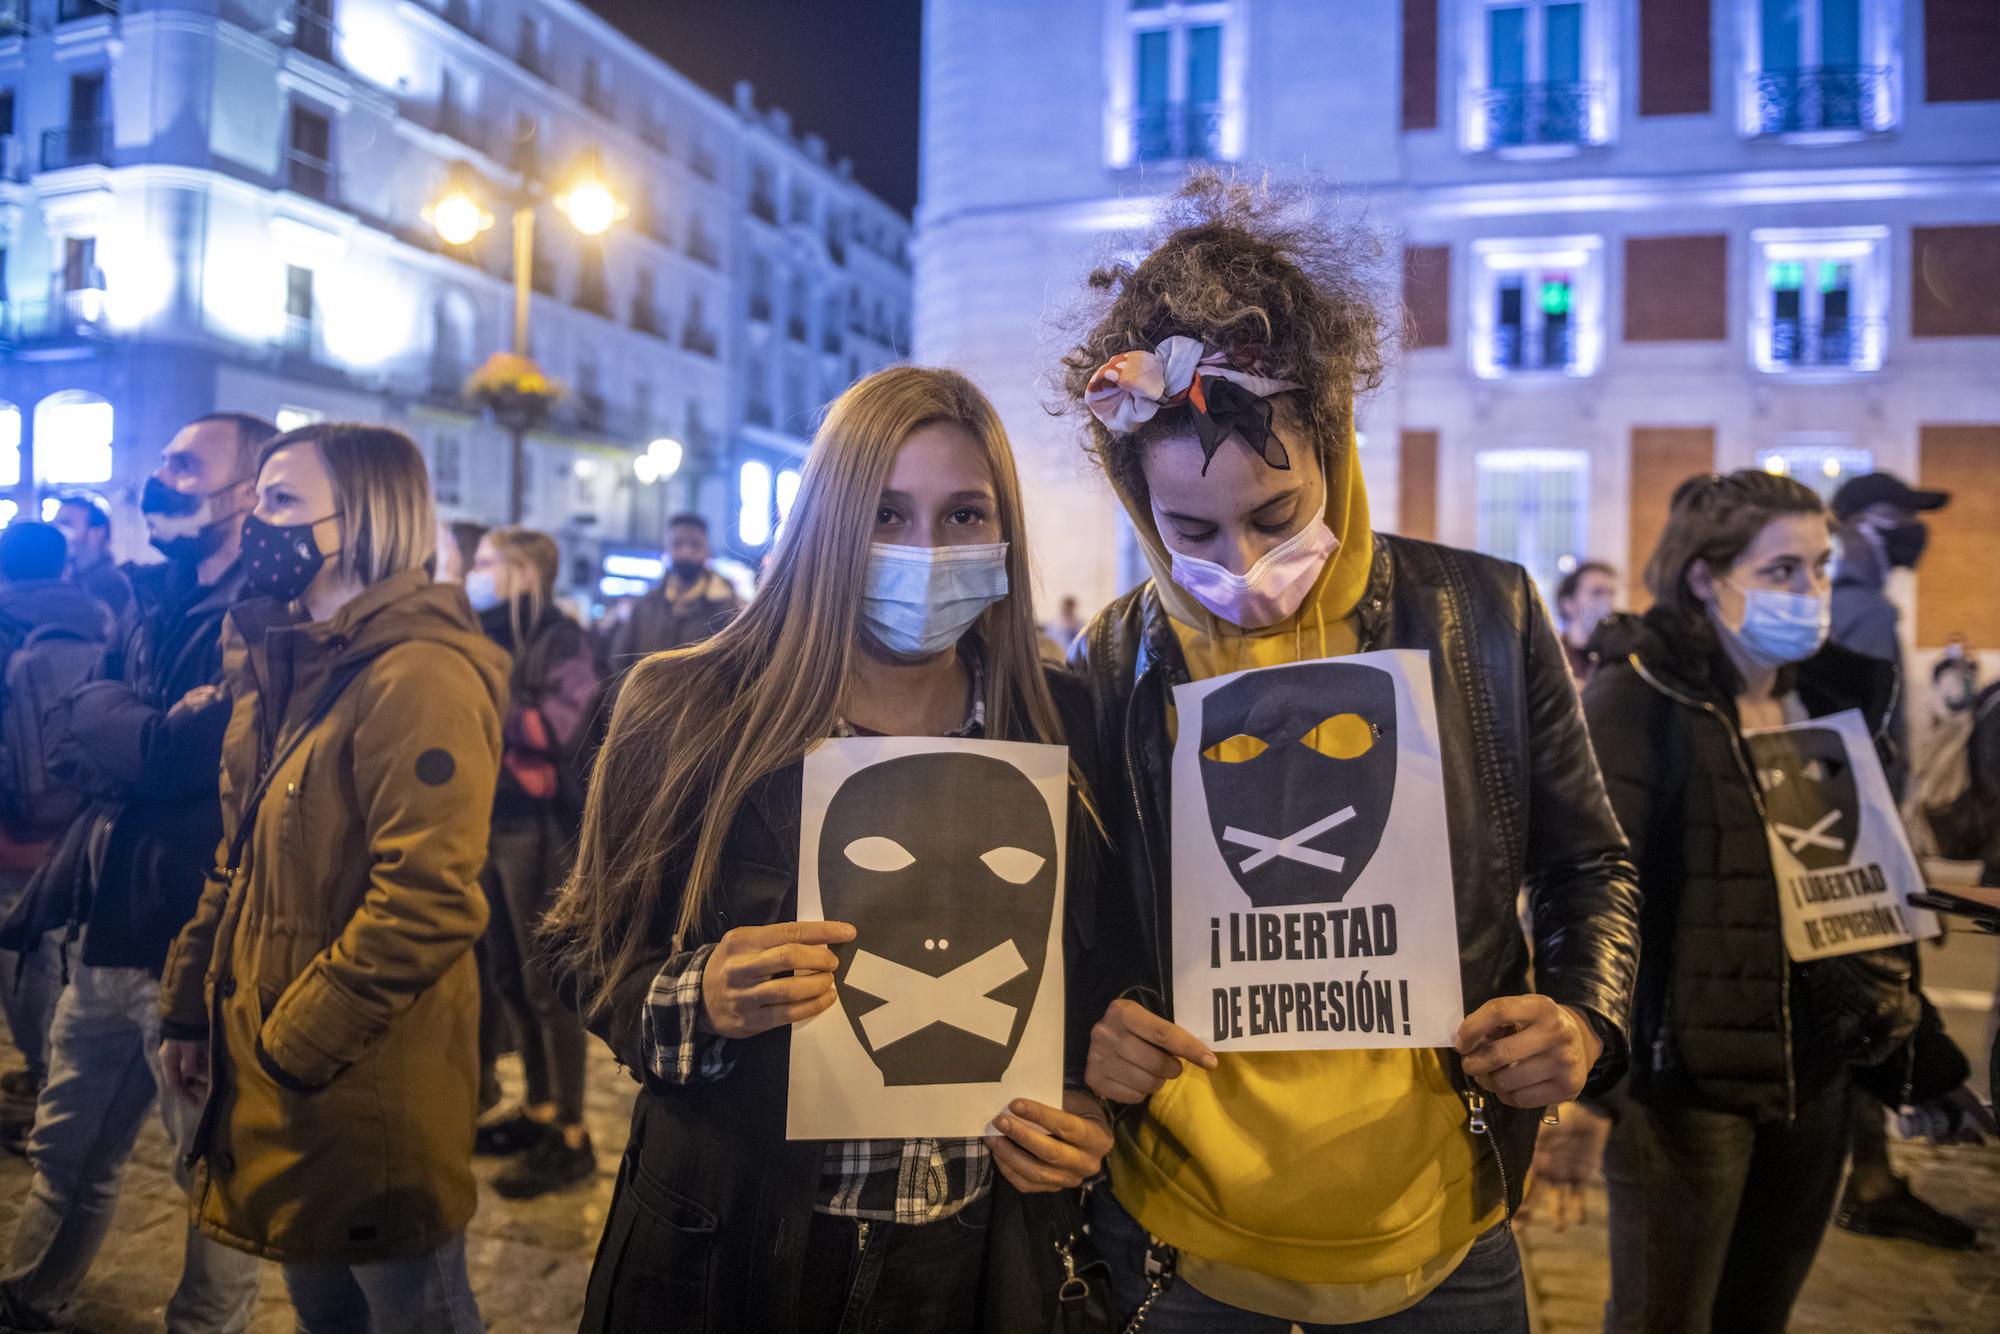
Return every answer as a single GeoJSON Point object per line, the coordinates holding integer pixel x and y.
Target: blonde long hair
{"type": "Point", "coordinates": [535, 554]}
{"type": "Point", "coordinates": [695, 729]}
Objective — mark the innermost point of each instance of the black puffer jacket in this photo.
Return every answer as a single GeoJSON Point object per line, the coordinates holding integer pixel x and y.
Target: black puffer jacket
{"type": "Point", "coordinates": [1523, 801]}
{"type": "Point", "coordinates": [1713, 1024]}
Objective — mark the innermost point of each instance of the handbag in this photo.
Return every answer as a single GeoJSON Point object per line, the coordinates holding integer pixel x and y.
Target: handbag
{"type": "Point", "coordinates": [1042, 1274]}
{"type": "Point", "coordinates": [1861, 1007]}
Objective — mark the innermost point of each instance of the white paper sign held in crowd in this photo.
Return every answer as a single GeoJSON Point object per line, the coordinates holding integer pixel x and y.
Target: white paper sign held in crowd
{"type": "Point", "coordinates": [1842, 860]}
{"type": "Point", "coordinates": [1312, 895]}
{"type": "Point", "coordinates": [947, 856]}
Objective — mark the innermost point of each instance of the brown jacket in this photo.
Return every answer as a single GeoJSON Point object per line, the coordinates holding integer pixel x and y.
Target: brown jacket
{"type": "Point", "coordinates": [334, 967]}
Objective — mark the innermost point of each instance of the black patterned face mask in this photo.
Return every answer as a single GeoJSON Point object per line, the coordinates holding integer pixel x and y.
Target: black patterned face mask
{"type": "Point", "coordinates": [280, 562]}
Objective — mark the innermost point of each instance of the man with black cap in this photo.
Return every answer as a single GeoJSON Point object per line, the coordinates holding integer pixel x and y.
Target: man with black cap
{"type": "Point", "coordinates": [1879, 533]}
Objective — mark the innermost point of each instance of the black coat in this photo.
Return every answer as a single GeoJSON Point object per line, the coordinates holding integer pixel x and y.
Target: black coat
{"type": "Point", "coordinates": [713, 1203]}
{"type": "Point", "coordinates": [157, 817]}
{"type": "Point", "coordinates": [1713, 1023]}
{"type": "Point", "coordinates": [1523, 799]}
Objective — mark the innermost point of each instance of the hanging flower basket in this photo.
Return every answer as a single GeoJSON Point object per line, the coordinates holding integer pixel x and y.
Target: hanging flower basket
{"type": "Point", "coordinates": [514, 389]}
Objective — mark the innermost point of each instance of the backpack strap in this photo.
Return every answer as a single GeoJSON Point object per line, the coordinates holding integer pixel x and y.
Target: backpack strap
{"type": "Point", "coordinates": [247, 821]}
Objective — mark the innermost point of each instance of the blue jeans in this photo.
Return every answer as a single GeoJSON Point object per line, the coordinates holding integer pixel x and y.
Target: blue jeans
{"type": "Point", "coordinates": [1484, 1295]}
{"type": "Point", "coordinates": [428, 1294]}
{"type": "Point", "coordinates": [104, 1068]}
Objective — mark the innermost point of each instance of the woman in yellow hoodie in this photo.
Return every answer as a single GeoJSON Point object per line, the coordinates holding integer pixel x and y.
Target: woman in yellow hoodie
{"type": "Point", "coordinates": [1362, 1189]}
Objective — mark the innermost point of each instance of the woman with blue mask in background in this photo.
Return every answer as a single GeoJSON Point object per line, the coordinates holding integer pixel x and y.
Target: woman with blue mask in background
{"type": "Point", "coordinates": [1731, 1130]}
{"type": "Point", "coordinates": [537, 810]}
{"type": "Point", "coordinates": [895, 604]}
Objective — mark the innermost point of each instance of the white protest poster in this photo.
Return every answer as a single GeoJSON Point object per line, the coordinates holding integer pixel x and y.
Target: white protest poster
{"type": "Point", "coordinates": [1842, 859]}
{"type": "Point", "coordinates": [947, 856]}
{"type": "Point", "coordinates": [1312, 895]}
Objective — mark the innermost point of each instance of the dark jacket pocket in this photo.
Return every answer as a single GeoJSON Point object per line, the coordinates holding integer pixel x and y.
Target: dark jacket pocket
{"type": "Point", "coordinates": [656, 1256]}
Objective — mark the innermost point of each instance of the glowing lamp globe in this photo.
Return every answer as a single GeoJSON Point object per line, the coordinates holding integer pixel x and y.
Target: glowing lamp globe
{"type": "Point", "coordinates": [591, 208]}
{"type": "Point", "coordinates": [458, 218]}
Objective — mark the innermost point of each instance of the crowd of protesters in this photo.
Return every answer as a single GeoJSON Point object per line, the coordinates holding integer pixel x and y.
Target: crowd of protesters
{"type": "Point", "coordinates": [310, 821]}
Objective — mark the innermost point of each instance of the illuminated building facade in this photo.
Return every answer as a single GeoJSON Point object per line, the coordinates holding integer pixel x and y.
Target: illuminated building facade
{"type": "Point", "coordinates": [220, 204]}
{"type": "Point", "coordinates": [1637, 239]}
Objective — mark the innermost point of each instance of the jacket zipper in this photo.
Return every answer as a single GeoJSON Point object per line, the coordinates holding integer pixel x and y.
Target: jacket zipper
{"type": "Point", "coordinates": [1757, 798]}
{"type": "Point", "coordinates": [1146, 843]}
{"type": "Point", "coordinates": [1478, 1125]}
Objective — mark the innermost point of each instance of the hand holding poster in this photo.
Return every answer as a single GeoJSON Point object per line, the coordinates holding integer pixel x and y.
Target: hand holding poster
{"type": "Point", "coordinates": [1838, 848]}
{"type": "Point", "coordinates": [1312, 894]}
{"type": "Point", "coordinates": [947, 857]}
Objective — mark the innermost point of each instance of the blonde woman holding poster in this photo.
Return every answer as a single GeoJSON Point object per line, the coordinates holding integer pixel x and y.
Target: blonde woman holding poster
{"type": "Point", "coordinates": [1374, 744]}
{"type": "Point", "coordinates": [897, 605]}
{"type": "Point", "coordinates": [1736, 748]}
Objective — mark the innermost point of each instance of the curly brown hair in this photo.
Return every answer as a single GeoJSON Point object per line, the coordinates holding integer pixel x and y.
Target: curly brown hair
{"type": "Point", "coordinates": [1261, 271]}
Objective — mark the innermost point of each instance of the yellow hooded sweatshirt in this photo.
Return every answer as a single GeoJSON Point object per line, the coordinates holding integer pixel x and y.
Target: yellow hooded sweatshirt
{"type": "Point", "coordinates": [1329, 1187]}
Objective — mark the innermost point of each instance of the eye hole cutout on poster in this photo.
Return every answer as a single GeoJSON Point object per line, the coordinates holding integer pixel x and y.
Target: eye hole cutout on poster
{"type": "Point", "coordinates": [1312, 893]}
{"type": "Point", "coordinates": [948, 857]}
{"type": "Point", "coordinates": [1839, 851]}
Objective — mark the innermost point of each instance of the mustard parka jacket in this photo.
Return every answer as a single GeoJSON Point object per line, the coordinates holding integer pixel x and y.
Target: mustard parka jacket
{"type": "Point", "coordinates": [332, 972]}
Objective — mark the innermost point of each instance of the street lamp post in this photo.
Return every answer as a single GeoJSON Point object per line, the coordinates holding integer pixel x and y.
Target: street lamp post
{"type": "Point", "coordinates": [459, 219]}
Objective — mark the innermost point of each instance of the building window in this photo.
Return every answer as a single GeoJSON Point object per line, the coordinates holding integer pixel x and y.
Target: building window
{"type": "Point", "coordinates": [597, 85]}
{"type": "Point", "coordinates": [592, 293]}
{"type": "Point", "coordinates": [1820, 68]}
{"type": "Point", "coordinates": [529, 44]}
{"type": "Point", "coordinates": [1821, 299]}
{"type": "Point", "coordinates": [799, 315]}
{"type": "Point", "coordinates": [1538, 307]}
{"type": "Point", "coordinates": [1821, 463]}
{"type": "Point", "coordinates": [760, 289]}
{"type": "Point", "coordinates": [73, 431]}
{"type": "Point", "coordinates": [86, 138]}
{"type": "Point", "coordinates": [757, 393]}
{"type": "Point", "coordinates": [1535, 76]}
{"type": "Point", "coordinates": [696, 336]}
{"type": "Point", "coordinates": [298, 334]}
{"type": "Point", "coordinates": [309, 162]}
{"type": "Point", "coordinates": [763, 193]}
{"type": "Point", "coordinates": [645, 305]}
{"type": "Point", "coordinates": [447, 468]}
{"type": "Point", "coordinates": [1534, 508]}
{"type": "Point", "coordinates": [753, 503]}
{"type": "Point", "coordinates": [1175, 76]}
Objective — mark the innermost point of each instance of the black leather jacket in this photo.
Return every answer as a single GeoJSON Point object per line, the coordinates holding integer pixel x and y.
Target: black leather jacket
{"type": "Point", "coordinates": [1524, 802]}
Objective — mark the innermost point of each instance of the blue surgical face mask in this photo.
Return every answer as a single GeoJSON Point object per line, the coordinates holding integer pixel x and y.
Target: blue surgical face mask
{"type": "Point", "coordinates": [1779, 628]}
{"type": "Point", "coordinates": [919, 601]}
{"type": "Point", "coordinates": [479, 590]}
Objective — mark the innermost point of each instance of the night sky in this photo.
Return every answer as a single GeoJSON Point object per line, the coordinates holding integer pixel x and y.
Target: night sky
{"type": "Point", "coordinates": [846, 70]}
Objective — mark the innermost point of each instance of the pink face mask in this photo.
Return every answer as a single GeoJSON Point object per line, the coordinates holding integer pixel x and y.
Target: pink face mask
{"type": "Point", "coordinates": [1270, 590]}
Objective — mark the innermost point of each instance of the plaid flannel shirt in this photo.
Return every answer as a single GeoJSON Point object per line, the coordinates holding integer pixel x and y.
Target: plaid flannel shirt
{"type": "Point", "coordinates": [883, 1180]}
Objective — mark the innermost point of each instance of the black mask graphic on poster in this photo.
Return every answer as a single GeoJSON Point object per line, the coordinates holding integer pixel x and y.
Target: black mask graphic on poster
{"type": "Point", "coordinates": [1809, 794]}
{"type": "Point", "coordinates": [280, 561]}
{"type": "Point", "coordinates": [1299, 768]}
{"type": "Point", "coordinates": [946, 865]}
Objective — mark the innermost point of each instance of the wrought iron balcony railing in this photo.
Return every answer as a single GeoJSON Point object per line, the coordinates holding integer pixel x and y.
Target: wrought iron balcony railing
{"type": "Point", "coordinates": [296, 339]}
{"type": "Point", "coordinates": [764, 206]}
{"type": "Point", "coordinates": [76, 145]}
{"type": "Point", "coordinates": [66, 315]}
{"type": "Point", "coordinates": [1823, 344]}
{"type": "Point", "coordinates": [1540, 114]}
{"type": "Point", "coordinates": [646, 318]}
{"type": "Point", "coordinates": [1552, 347]}
{"type": "Point", "coordinates": [701, 342]}
{"type": "Point", "coordinates": [1830, 97]}
{"type": "Point", "coordinates": [13, 158]}
{"type": "Point", "coordinates": [1177, 132]}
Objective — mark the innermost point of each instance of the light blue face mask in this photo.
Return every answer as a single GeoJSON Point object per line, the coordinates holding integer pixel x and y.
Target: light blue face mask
{"type": "Point", "coordinates": [919, 601]}
{"type": "Point", "coordinates": [1779, 628]}
{"type": "Point", "coordinates": [479, 590]}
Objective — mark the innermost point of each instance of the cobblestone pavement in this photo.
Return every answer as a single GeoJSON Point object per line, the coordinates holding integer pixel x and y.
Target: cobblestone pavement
{"type": "Point", "coordinates": [529, 1261]}
{"type": "Point", "coordinates": [1858, 1283]}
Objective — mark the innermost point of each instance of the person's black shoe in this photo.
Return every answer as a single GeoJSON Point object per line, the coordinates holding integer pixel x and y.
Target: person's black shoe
{"type": "Point", "coordinates": [14, 1132]}
{"type": "Point", "coordinates": [509, 1135]}
{"type": "Point", "coordinates": [550, 1165]}
{"type": "Point", "coordinates": [23, 1084]}
{"type": "Point", "coordinates": [1906, 1218]}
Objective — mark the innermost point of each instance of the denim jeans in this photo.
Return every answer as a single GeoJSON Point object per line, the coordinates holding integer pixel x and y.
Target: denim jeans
{"type": "Point", "coordinates": [893, 1278]}
{"type": "Point", "coordinates": [1486, 1294]}
{"type": "Point", "coordinates": [428, 1294]}
{"type": "Point", "coordinates": [104, 1069]}
{"type": "Point", "coordinates": [29, 986]}
{"type": "Point", "coordinates": [1715, 1219]}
